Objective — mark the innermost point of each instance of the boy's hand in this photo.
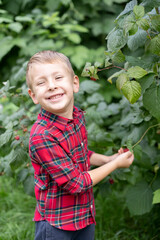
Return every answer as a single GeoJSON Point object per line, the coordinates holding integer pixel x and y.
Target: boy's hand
{"type": "Point", "coordinates": [123, 150]}
{"type": "Point", "coordinates": [120, 151]}
{"type": "Point", "coordinates": [124, 160]}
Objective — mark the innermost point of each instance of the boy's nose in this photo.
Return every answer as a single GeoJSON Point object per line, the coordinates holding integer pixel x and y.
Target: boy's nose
{"type": "Point", "coordinates": [51, 84]}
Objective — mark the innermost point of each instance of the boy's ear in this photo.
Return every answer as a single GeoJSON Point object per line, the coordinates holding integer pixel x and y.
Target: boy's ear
{"type": "Point", "coordinates": [32, 95]}
{"type": "Point", "coordinates": [75, 84]}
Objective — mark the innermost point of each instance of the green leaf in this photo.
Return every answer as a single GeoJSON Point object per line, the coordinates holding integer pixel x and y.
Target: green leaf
{"type": "Point", "coordinates": [122, 78]}
{"type": "Point", "coordinates": [133, 29]}
{"type": "Point", "coordinates": [116, 74]}
{"type": "Point", "coordinates": [155, 21]}
{"type": "Point", "coordinates": [146, 81]}
{"type": "Point", "coordinates": [136, 72]}
{"type": "Point", "coordinates": [139, 198]}
{"type": "Point", "coordinates": [28, 185]}
{"type": "Point", "coordinates": [118, 57]}
{"type": "Point", "coordinates": [89, 86]}
{"type": "Point", "coordinates": [138, 11]}
{"type": "Point", "coordinates": [154, 45]}
{"type": "Point", "coordinates": [137, 40]}
{"type": "Point", "coordinates": [128, 8]}
{"type": "Point", "coordinates": [6, 137]}
{"type": "Point", "coordinates": [74, 37]}
{"type": "Point", "coordinates": [6, 45]}
{"type": "Point", "coordinates": [132, 91]}
{"type": "Point", "coordinates": [143, 23]}
{"type": "Point", "coordinates": [116, 40]}
{"type": "Point", "coordinates": [19, 157]}
{"type": "Point", "coordinates": [151, 100]}
{"type": "Point", "coordinates": [16, 27]}
{"type": "Point", "coordinates": [23, 19]}
{"type": "Point", "coordinates": [156, 197]}
{"type": "Point", "coordinates": [85, 72]}
{"type": "Point", "coordinates": [5, 20]}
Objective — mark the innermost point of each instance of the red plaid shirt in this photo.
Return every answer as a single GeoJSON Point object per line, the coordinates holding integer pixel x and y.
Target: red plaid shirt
{"type": "Point", "coordinates": [60, 158]}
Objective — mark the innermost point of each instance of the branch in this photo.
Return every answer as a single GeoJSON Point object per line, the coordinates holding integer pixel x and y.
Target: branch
{"type": "Point", "coordinates": [98, 70]}
{"type": "Point", "coordinates": [156, 125]}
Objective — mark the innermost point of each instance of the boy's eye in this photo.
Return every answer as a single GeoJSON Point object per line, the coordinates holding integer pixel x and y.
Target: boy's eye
{"type": "Point", "coordinates": [40, 83]}
{"type": "Point", "coordinates": [59, 77]}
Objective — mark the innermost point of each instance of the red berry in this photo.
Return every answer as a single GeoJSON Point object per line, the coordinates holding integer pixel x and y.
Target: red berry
{"type": "Point", "coordinates": [25, 129]}
{"type": "Point", "coordinates": [111, 181]}
{"type": "Point", "coordinates": [17, 137]}
{"type": "Point", "coordinates": [93, 79]}
{"type": "Point", "coordinates": [125, 149]}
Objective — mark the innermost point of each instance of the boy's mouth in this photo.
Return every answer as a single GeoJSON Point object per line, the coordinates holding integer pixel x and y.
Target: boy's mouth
{"type": "Point", "coordinates": [56, 96]}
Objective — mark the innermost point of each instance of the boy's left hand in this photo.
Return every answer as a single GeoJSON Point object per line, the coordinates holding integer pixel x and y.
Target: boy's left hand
{"type": "Point", "coordinates": [120, 151]}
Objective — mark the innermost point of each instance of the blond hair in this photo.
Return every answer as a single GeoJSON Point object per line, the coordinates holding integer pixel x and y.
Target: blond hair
{"type": "Point", "coordinates": [50, 57]}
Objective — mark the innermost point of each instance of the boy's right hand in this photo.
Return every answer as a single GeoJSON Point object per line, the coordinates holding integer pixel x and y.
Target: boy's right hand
{"type": "Point", "coordinates": [124, 160]}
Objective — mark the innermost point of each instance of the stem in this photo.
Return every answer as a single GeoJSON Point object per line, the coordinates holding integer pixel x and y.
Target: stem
{"type": "Point", "coordinates": [148, 35]}
{"type": "Point", "coordinates": [98, 70]}
{"type": "Point", "coordinates": [157, 10]}
{"type": "Point", "coordinates": [145, 134]}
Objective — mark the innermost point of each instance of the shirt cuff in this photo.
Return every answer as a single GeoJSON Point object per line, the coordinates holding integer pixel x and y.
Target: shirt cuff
{"type": "Point", "coordinates": [90, 153]}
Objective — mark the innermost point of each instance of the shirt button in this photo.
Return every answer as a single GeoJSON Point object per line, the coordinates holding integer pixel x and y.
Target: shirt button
{"type": "Point", "coordinates": [91, 206]}
{"type": "Point", "coordinates": [82, 144]}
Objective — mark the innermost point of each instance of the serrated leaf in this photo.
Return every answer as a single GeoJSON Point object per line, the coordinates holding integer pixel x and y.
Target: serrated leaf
{"type": "Point", "coordinates": [151, 100]}
{"type": "Point", "coordinates": [128, 8]}
{"type": "Point", "coordinates": [129, 145]}
{"type": "Point", "coordinates": [132, 91]}
{"type": "Point", "coordinates": [137, 40]}
{"type": "Point", "coordinates": [133, 29]}
{"type": "Point", "coordinates": [116, 40]}
{"type": "Point", "coordinates": [146, 81]}
{"type": "Point", "coordinates": [107, 61]}
{"type": "Point", "coordinates": [85, 72]}
{"type": "Point", "coordinates": [19, 157]}
{"type": "Point", "coordinates": [6, 137]}
{"type": "Point", "coordinates": [89, 86]}
{"type": "Point", "coordinates": [138, 11]}
{"type": "Point", "coordinates": [136, 72]}
{"type": "Point", "coordinates": [122, 78]}
{"type": "Point", "coordinates": [154, 45]}
{"type": "Point", "coordinates": [139, 198]}
{"type": "Point", "coordinates": [156, 197]}
{"type": "Point", "coordinates": [143, 23]}
{"type": "Point", "coordinates": [116, 74]}
{"type": "Point", "coordinates": [155, 21]}
{"type": "Point", "coordinates": [118, 57]}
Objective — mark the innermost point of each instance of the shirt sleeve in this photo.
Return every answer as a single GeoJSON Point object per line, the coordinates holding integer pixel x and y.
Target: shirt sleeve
{"type": "Point", "coordinates": [90, 153]}
{"type": "Point", "coordinates": [53, 158]}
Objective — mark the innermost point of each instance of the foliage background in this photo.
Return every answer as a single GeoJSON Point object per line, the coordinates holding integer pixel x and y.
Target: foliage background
{"type": "Point", "coordinates": [79, 30]}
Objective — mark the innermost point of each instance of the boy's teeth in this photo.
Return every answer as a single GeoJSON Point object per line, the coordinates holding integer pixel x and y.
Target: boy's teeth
{"type": "Point", "coordinates": [57, 96]}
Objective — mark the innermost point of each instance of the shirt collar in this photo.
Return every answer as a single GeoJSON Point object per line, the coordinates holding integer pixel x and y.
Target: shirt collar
{"type": "Point", "coordinates": [59, 121]}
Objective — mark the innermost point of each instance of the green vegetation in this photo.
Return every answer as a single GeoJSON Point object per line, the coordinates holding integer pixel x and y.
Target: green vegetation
{"type": "Point", "coordinates": [113, 220]}
{"type": "Point", "coordinates": [122, 105]}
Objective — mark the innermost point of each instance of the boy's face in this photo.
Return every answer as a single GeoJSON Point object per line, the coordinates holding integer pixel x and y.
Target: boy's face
{"type": "Point", "coordinates": [53, 87]}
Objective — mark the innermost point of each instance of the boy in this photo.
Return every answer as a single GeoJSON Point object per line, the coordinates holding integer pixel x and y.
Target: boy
{"type": "Point", "coordinates": [59, 153]}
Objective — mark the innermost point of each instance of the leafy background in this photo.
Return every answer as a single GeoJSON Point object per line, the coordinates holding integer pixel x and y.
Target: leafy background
{"type": "Point", "coordinates": [115, 43]}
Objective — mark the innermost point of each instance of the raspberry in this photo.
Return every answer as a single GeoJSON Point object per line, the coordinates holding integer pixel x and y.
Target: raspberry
{"type": "Point", "coordinates": [93, 79]}
{"type": "Point", "coordinates": [17, 137]}
{"type": "Point", "coordinates": [111, 181]}
{"type": "Point", "coordinates": [125, 149]}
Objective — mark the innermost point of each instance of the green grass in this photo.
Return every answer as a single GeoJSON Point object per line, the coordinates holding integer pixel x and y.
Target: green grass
{"type": "Point", "coordinates": [113, 220]}
{"type": "Point", "coordinates": [115, 223]}
{"type": "Point", "coordinates": [16, 212]}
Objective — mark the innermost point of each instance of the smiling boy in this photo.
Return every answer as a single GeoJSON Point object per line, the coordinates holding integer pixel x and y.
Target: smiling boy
{"type": "Point", "coordinates": [59, 153]}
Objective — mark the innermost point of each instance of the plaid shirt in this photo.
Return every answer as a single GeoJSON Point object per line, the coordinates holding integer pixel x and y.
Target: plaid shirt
{"type": "Point", "coordinates": [60, 158]}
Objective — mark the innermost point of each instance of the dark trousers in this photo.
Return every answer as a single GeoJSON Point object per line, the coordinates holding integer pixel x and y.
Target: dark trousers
{"type": "Point", "coordinates": [44, 231]}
